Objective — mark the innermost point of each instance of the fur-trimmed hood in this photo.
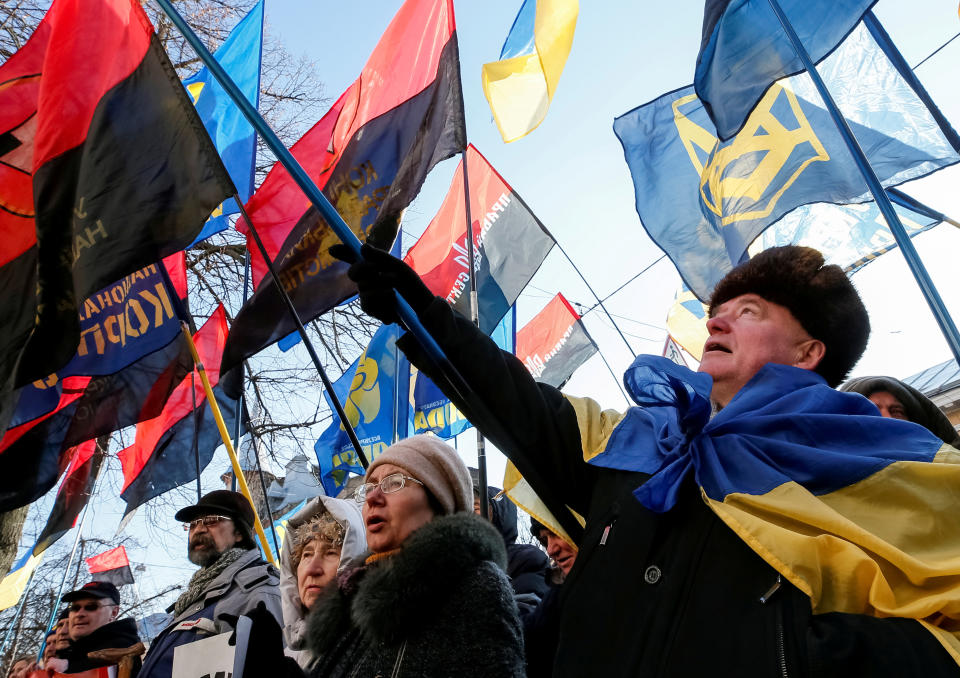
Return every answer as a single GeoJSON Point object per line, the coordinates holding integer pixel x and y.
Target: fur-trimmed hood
{"type": "Point", "coordinates": [391, 599]}
{"type": "Point", "coordinates": [345, 512]}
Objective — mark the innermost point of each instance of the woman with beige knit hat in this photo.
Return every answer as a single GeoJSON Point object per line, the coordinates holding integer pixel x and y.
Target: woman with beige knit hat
{"type": "Point", "coordinates": [431, 598]}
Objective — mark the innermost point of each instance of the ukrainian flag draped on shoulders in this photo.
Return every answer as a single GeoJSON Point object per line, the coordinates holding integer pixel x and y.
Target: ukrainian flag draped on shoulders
{"type": "Point", "coordinates": [856, 510]}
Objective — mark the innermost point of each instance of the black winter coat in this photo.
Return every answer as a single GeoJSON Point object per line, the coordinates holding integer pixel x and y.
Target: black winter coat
{"type": "Point", "coordinates": [526, 564]}
{"type": "Point", "coordinates": [118, 634]}
{"type": "Point", "coordinates": [441, 606]}
{"type": "Point", "coordinates": [673, 594]}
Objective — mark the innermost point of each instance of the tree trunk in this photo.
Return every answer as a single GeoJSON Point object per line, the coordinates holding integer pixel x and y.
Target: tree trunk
{"type": "Point", "coordinates": [11, 528]}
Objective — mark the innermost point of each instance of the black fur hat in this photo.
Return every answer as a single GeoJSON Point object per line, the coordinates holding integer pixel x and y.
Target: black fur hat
{"type": "Point", "coordinates": [820, 297]}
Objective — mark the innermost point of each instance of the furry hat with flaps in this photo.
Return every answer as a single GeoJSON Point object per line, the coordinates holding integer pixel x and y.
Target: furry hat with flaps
{"type": "Point", "coordinates": [820, 297]}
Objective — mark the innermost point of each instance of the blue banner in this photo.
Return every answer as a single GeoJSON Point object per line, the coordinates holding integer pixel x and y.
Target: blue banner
{"type": "Point", "coordinates": [433, 411]}
{"type": "Point", "coordinates": [372, 391]}
{"type": "Point", "coordinates": [233, 136]}
{"type": "Point", "coordinates": [119, 325]}
{"type": "Point", "coordinates": [704, 201]}
{"type": "Point", "coordinates": [745, 50]}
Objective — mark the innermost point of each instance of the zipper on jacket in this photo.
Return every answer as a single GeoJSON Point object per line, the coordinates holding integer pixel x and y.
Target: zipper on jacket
{"type": "Point", "coordinates": [781, 645]}
{"type": "Point", "coordinates": [606, 532]}
{"type": "Point", "coordinates": [396, 666]}
{"type": "Point", "coordinates": [781, 648]}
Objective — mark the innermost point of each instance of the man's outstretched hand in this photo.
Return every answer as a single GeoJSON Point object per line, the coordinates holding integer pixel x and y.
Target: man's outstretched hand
{"type": "Point", "coordinates": [378, 274]}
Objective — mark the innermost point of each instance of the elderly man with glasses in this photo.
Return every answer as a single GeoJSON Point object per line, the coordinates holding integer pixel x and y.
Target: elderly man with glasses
{"type": "Point", "coordinates": [93, 626]}
{"type": "Point", "coordinates": [233, 579]}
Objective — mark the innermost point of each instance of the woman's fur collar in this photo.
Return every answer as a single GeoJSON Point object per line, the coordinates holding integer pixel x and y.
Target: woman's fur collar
{"type": "Point", "coordinates": [391, 599]}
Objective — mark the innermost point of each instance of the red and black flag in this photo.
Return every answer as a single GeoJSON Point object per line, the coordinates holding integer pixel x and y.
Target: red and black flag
{"type": "Point", "coordinates": [554, 343]}
{"type": "Point", "coordinates": [74, 493]}
{"type": "Point", "coordinates": [163, 454]}
{"type": "Point", "coordinates": [57, 414]}
{"type": "Point", "coordinates": [104, 168]}
{"type": "Point", "coordinates": [369, 155]}
{"type": "Point", "coordinates": [510, 243]}
{"type": "Point", "coordinates": [111, 566]}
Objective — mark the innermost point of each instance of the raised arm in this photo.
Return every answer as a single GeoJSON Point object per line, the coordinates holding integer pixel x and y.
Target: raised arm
{"type": "Point", "coordinates": [533, 424]}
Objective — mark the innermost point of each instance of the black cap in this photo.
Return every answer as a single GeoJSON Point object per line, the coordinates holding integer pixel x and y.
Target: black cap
{"type": "Point", "coordinates": [94, 589]}
{"type": "Point", "coordinates": [219, 502]}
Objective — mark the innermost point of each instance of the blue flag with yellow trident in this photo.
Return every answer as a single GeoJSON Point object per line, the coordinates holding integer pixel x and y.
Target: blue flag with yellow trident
{"type": "Point", "coordinates": [374, 393]}
{"type": "Point", "coordinates": [704, 201]}
{"type": "Point", "coordinates": [233, 136]}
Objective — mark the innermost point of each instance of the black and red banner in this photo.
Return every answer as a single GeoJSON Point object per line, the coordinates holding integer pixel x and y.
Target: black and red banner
{"type": "Point", "coordinates": [74, 493]}
{"type": "Point", "coordinates": [130, 328]}
{"type": "Point", "coordinates": [162, 456]}
{"type": "Point", "coordinates": [554, 343]}
{"type": "Point", "coordinates": [105, 168]}
{"type": "Point", "coordinates": [510, 243]}
{"type": "Point", "coordinates": [369, 155]}
{"type": "Point", "coordinates": [111, 566]}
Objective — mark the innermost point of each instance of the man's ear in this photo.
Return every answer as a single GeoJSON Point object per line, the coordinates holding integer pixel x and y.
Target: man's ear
{"type": "Point", "coordinates": [809, 354]}
{"type": "Point", "coordinates": [237, 536]}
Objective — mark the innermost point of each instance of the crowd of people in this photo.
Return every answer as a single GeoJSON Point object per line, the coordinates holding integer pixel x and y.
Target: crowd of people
{"type": "Point", "coordinates": [643, 570]}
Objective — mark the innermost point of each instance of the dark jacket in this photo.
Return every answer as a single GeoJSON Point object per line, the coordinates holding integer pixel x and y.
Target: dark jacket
{"type": "Point", "coordinates": [441, 606]}
{"type": "Point", "coordinates": [236, 591]}
{"type": "Point", "coordinates": [119, 634]}
{"type": "Point", "coordinates": [671, 594]}
{"type": "Point", "coordinates": [526, 564]}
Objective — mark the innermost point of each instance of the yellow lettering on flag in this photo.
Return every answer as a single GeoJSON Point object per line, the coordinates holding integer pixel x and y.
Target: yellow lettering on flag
{"type": "Point", "coordinates": [520, 89]}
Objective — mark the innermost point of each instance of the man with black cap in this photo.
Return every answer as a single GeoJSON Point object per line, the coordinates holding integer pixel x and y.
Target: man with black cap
{"type": "Point", "coordinates": [233, 579]}
{"type": "Point", "coordinates": [93, 626]}
{"type": "Point", "coordinates": [733, 522]}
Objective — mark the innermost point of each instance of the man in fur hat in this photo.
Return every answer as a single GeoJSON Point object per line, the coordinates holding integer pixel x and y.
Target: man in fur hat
{"type": "Point", "coordinates": [743, 520]}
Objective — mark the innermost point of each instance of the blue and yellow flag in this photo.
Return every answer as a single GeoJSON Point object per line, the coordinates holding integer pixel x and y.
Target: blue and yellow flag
{"type": "Point", "coordinates": [856, 510]}
{"type": "Point", "coordinates": [745, 50]}
{"type": "Point", "coordinates": [233, 136]}
{"type": "Point", "coordinates": [521, 85]}
{"type": "Point", "coordinates": [14, 584]}
{"type": "Point", "coordinates": [432, 410]}
{"type": "Point", "coordinates": [374, 393]}
{"type": "Point", "coordinates": [704, 201]}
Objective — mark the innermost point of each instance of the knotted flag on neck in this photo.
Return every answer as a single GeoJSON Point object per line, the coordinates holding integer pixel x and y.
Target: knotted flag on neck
{"type": "Point", "coordinates": [856, 510]}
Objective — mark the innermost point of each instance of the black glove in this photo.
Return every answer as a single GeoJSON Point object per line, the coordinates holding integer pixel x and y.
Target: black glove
{"type": "Point", "coordinates": [265, 656]}
{"type": "Point", "coordinates": [378, 274]}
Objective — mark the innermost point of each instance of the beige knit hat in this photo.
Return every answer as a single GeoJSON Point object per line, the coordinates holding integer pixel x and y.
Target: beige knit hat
{"type": "Point", "coordinates": [436, 465]}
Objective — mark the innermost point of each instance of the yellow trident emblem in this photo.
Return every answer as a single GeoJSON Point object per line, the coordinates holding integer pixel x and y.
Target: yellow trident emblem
{"type": "Point", "coordinates": [745, 169]}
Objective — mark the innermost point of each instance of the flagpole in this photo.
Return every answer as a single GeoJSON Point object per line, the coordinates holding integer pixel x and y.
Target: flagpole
{"type": "Point", "coordinates": [914, 205]}
{"type": "Point", "coordinates": [408, 316]}
{"type": "Point", "coordinates": [23, 601]}
{"type": "Point", "coordinates": [940, 313]}
{"type": "Point", "coordinates": [433, 353]}
{"type": "Point", "coordinates": [475, 317]}
{"type": "Point", "coordinates": [196, 433]}
{"type": "Point", "coordinates": [266, 499]}
{"type": "Point", "coordinates": [240, 401]}
{"type": "Point", "coordinates": [292, 310]}
{"type": "Point", "coordinates": [225, 436]}
{"type": "Point", "coordinates": [597, 297]}
{"type": "Point", "coordinates": [73, 552]}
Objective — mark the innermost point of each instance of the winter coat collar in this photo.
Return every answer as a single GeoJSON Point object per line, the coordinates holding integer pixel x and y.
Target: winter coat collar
{"type": "Point", "coordinates": [392, 599]}
{"type": "Point", "coordinates": [347, 513]}
{"type": "Point", "coordinates": [219, 586]}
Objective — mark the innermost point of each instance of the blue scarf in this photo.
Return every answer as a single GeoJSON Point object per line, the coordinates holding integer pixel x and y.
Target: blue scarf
{"type": "Point", "coordinates": [785, 425]}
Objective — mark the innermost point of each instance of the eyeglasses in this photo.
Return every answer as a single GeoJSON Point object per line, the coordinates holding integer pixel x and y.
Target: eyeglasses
{"type": "Point", "coordinates": [208, 521]}
{"type": "Point", "coordinates": [388, 485]}
{"type": "Point", "coordinates": [89, 607]}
